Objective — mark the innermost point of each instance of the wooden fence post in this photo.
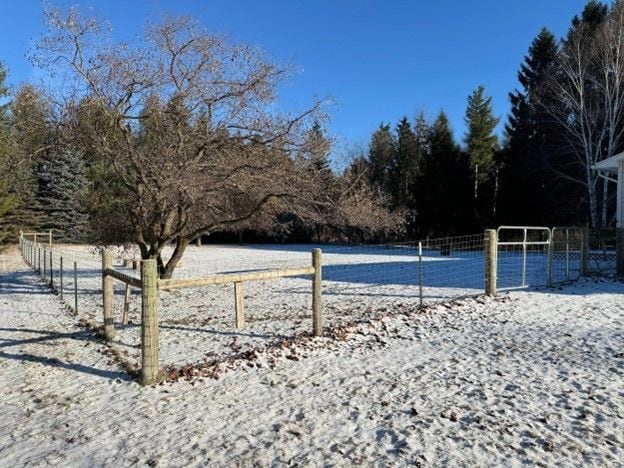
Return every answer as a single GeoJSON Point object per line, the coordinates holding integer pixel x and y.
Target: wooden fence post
{"type": "Point", "coordinates": [585, 252]}
{"type": "Point", "coordinates": [150, 369]}
{"type": "Point", "coordinates": [51, 270]}
{"type": "Point", "coordinates": [107, 295]}
{"type": "Point", "coordinates": [317, 283]}
{"type": "Point", "coordinates": [491, 248]}
{"type": "Point", "coordinates": [619, 252]}
{"type": "Point", "coordinates": [238, 305]}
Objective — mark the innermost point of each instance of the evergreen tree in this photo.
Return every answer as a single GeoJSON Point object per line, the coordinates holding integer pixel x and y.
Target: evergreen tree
{"type": "Point", "coordinates": [105, 198]}
{"type": "Point", "coordinates": [422, 132]}
{"type": "Point", "coordinates": [443, 188]}
{"type": "Point", "coordinates": [528, 181]}
{"type": "Point", "coordinates": [481, 148]}
{"type": "Point", "coordinates": [62, 186]}
{"type": "Point", "coordinates": [481, 142]}
{"type": "Point", "coordinates": [315, 156]}
{"type": "Point", "coordinates": [381, 156]}
{"type": "Point", "coordinates": [405, 165]}
{"type": "Point", "coordinates": [7, 199]}
{"type": "Point", "coordinates": [31, 139]}
{"type": "Point", "coordinates": [593, 15]}
{"type": "Point", "coordinates": [317, 149]}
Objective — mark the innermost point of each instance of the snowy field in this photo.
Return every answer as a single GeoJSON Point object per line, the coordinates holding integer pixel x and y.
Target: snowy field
{"type": "Point", "coordinates": [534, 377]}
{"type": "Point", "coordinates": [198, 324]}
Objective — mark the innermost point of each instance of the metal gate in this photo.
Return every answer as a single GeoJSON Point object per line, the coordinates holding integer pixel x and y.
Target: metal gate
{"type": "Point", "coordinates": [523, 256]}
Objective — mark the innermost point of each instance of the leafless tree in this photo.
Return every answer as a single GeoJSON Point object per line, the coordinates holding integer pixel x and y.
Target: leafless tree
{"type": "Point", "coordinates": [188, 122]}
{"type": "Point", "coordinates": [586, 97]}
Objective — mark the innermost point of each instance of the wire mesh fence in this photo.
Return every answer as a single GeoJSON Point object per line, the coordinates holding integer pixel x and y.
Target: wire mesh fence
{"type": "Point", "coordinates": [358, 282]}
{"type": "Point", "coordinates": [74, 272]}
{"type": "Point", "coordinates": [567, 253]}
{"type": "Point", "coordinates": [602, 252]}
{"type": "Point", "coordinates": [522, 258]}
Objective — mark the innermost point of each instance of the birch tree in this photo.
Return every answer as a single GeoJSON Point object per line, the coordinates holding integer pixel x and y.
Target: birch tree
{"type": "Point", "coordinates": [586, 97]}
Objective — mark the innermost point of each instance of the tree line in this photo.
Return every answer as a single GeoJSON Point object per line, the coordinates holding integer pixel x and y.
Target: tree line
{"type": "Point", "coordinates": [176, 137]}
{"type": "Point", "coordinates": [566, 116]}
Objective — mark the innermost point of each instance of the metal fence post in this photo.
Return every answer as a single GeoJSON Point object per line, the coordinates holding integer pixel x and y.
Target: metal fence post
{"type": "Point", "coordinates": [45, 263]}
{"type": "Point", "coordinates": [61, 275]}
{"type": "Point", "coordinates": [150, 369]}
{"type": "Point", "coordinates": [549, 261]}
{"type": "Point", "coordinates": [107, 295]}
{"type": "Point", "coordinates": [317, 304]}
{"type": "Point", "coordinates": [567, 254]}
{"type": "Point", "coordinates": [420, 273]}
{"type": "Point", "coordinates": [491, 249]}
{"type": "Point", "coordinates": [585, 252]}
{"type": "Point", "coordinates": [51, 270]}
{"type": "Point", "coordinates": [524, 257]}
{"type": "Point", "coordinates": [75, 285]}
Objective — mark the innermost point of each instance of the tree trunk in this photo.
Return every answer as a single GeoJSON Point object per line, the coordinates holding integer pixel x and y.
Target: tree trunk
{"type": "Point", "coordinates": [605, 196]}
{"type": "Point", "coordinates": [178, 252]}
{"type": "Point", "coordinates": [593, 198]}
{"type": "Point", "coordinates": [160, 264]}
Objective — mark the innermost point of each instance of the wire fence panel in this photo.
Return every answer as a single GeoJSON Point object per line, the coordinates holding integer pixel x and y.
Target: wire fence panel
{"type": "Point", "coordinates": [522, 259]}
{"type": "Point", "coordinates": [567, 251]}
{"type": "Point", "coordinates": [602, 252]}
{"type": "Point", "coordinates": [409, 273]}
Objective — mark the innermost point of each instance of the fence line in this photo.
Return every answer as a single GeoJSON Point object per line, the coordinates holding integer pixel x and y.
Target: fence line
{"type": "Point", "coordinates": [427, 270]}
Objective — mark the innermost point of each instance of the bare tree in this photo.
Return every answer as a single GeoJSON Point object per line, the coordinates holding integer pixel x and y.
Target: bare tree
{"type": "Point", "coordinates": [586, 97]}
{"type": "Point", "coordinates": [187, 120]}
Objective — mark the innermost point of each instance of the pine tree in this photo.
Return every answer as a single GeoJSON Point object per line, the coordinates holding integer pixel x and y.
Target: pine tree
{"type": "Point", "coordinates": [443, 188]}
{"type": "Point", "coordinates": [315, 158]}
{"type": "Point", "coordinates": [527, 180]}
{"type": "Point", "coordinates": [422, 131]}
{"type": "Point", "coordinates": [105, 198]}
{"type": "Point", "coordinates": [481, 142]}
{"type": "Point", "coordinates": [62, 187]}
{"type": "Point", "coordinates": [318, 146]}
{"type": "Point", "coordinates": [7, 199]}
{"type": "Point", "coordinates": [30, 140]}
{"type": "Point", "coordinates": [381, 156]}
{"type": "Point", "coordinates": [405, 165]}
{"type": "Point", "coordinates": [481, 148]}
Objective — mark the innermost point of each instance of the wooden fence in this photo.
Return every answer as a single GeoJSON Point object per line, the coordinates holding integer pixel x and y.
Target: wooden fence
{"type": "Point", "coordinates": [39, 256]}
{"type": "Point", "coordinates": [150, 285]}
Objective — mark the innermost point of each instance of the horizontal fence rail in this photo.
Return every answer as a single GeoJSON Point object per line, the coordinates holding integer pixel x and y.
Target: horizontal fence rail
{"type": "Point", "coordinates": [124, 278]}
{"type": "Point", "coordinates": [233, 278]}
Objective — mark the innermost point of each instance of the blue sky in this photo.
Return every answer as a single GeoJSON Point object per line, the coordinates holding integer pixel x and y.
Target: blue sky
{"type": "Point", "coordinates": [378, 60]}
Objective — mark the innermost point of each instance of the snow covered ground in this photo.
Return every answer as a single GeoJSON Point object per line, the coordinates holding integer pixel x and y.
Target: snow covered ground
{"type": "Point", "coordinates": [534, 377]}
{"type": "Point", "coordinates": [198, 324]}
{"type": "Point", "coordinates": [358, 281]}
